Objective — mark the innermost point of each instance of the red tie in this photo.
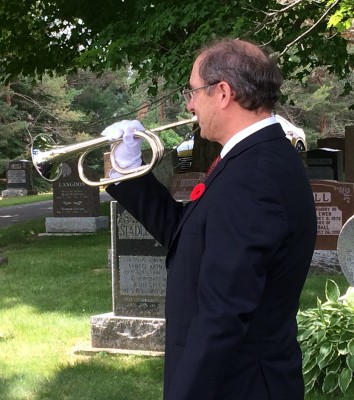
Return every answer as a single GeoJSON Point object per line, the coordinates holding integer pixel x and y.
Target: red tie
{"type": "Point", "coordinates": [213, 165]}
{"type": "Point", "coordinates": [200, 188]}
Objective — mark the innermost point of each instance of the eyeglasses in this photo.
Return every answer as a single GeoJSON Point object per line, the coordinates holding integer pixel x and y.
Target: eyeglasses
{"type": "Point", "coordinates": [188, 93]}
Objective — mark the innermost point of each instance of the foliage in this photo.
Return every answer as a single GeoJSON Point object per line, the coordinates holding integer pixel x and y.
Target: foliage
{"type": "Point", "coordinates": [100, 97]}
{"type": "Point", "coordinates": [326, 337]}
{"type": "Point", "coordinates": [29, 107]}
{"type": "Point", "coordinates": [320, 103]}
{"type": "Point", "coordinates": [159, 38]}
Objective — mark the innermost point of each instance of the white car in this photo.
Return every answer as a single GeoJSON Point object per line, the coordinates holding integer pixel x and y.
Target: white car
{"type": "Point", "coordinates": [295, 135]}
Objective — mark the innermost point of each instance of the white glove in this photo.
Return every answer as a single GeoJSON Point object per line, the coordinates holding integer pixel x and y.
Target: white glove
{"type": "Point", "coordinates": [128, 153]}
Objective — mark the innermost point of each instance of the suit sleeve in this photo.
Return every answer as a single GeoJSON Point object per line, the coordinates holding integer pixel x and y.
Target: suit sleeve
{"type": "Point", "coordinates": [244, 227]}
{"type": "Point", "coordinates": [151, 204]}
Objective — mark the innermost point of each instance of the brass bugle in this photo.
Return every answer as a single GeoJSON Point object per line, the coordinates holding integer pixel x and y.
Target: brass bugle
{"type": "Point", "coordinates": [48, 157]}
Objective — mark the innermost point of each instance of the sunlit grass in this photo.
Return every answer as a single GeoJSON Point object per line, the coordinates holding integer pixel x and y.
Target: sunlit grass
{"type": "Point", "coordinates": [48, 291]}
{"type": "Point", "coordinates": [14, 201]}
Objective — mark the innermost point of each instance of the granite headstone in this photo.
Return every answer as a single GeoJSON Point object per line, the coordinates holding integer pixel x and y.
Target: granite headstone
{"type": "Point", "coordinates": [334, 206]}
{"type": "Point", "coordinates": [76, 206]}
{"type": "Point", "coordinates": [18, 179]}
{"type": "Point", "coordinates": [345, 250]}
{"type": "Point", "coordinates": [324, 164]}
{"type": "Point", "coordinates": [337, 143]}
{"type": "Point", "coordinates": [138, 286]}
{"type": "Point", "coordinates": [183, 184]}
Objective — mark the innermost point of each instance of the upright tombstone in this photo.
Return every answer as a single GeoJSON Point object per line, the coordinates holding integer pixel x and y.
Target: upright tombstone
{"type": "Point", "coordinates": [337, 143]}
{"type": "Point", "coordinates": [76, 206]}
{"type": "Point", "coordinates": [138, 285]}
{"type": "Point", "coordinates": [19, 179]}
{"type": "Point", "coordinates": [345, 250]}
{"type": "Point", "coordinates": [334, 206]}
{"type": "Point", "coordinates": [136, 322]}
{"type": "Point", "coordinates": [183, 184]}
{"type": "Point", "coordinates": [324, 164]}
{"type": "Point", "coordinates": [349, 153]}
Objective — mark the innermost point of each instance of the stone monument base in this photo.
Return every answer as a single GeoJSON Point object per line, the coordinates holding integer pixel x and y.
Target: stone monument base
{"type": "Point", "coordinates": [128, 333]}
{"type": "Point", "coordinates": [18, 193]}
{"type": "Point", "coordinates": [75, 224]}
{"type": "Point", "coordinates": [88, 350]}
{"type": "Point", "coordinates": [325, 261]}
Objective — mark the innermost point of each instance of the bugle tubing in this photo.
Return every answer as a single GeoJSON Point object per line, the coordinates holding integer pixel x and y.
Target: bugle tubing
{"type": "Point", "coordinates": [48, 157]}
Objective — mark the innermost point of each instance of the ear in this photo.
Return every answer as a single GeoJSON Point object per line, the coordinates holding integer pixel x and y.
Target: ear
{"type": "Point", "coordinates": [226, 93]}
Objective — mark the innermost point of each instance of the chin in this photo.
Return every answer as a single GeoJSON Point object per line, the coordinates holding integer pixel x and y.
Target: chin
{"type": "Point", "coordinates": [201, 133]}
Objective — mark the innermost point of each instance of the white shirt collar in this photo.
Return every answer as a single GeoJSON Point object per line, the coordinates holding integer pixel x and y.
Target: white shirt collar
{"type": "Point", "coordinates": [239, 136]}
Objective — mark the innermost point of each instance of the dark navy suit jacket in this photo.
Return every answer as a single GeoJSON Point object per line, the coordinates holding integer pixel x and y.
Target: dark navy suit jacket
{"type": "Point", "coordinates": [237, 261]}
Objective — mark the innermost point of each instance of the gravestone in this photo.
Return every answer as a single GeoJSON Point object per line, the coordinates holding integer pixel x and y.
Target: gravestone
{"type": "Point", "coordinates": [183, 184]}
{"type": "Point", "coordinates": [345, 250]}
{"type": "Point", "coordinates": [349, 153]}
{"type": "Point", "coordinates": [334, 206]}
{"type": "Point", "coordinates": [76, 206]}
{"type": "Point", "coordinates": [138, 286]}
{"type": "Point", "coordinates": [141, 280]}
{"type": "Point", "coordinates": [337, 143]}
{"type": "Point", "coordinates": [18, 179]}
{"type": "Point", "coordinates": [323, 164]}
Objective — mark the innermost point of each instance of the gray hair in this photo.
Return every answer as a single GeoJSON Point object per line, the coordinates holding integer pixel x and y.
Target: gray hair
{"type": "Point", "coordinates": [251, 73]}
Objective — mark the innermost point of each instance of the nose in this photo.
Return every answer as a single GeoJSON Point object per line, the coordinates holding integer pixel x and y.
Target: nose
{"type": "Point", "coordinates": [190, 105]}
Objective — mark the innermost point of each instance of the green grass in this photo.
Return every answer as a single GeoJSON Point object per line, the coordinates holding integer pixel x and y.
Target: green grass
{"type": "Point", "coordinates": [49, 289]}
{"type": "Point", "coordinates": [15, 201]}
{"type": "Point", "coordinates": [315, 287]}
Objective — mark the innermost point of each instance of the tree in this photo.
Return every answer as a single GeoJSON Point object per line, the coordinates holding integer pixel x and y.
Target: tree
{"type": "Point", "coordinates": [159, 38]}
{"type": "Point", "coordinates": [29, 107]}
{"type": "Point", "coordinates": [319, 104]}
{"type": "Point", "coordinates": [12, 127]}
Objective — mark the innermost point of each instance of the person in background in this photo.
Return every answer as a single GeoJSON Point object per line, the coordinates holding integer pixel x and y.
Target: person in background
{"type": "Point", "coordinates": [239, 251]}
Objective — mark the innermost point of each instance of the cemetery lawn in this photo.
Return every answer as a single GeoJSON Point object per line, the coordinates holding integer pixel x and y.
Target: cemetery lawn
{"type": "Point", "coordinates": [14, 201]}
{"type": "Point", "coordinates": [49, 289]}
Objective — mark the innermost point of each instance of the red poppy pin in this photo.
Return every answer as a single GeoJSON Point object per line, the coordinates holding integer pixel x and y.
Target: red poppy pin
{"type": "Point", "coordinates": [197, 191]}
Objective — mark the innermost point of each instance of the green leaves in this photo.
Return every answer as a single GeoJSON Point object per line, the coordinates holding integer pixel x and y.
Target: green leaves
{"type": "Point", "coordinates": [345, 377]}
{"type": "Point", "coordinates": [332, 291]}
{"type": "Point", "coordinates": [330, 382]}
{"type": "Point", "coordinates": [325, 355]}
{"type": "Point", "coordinates": [342, 17]}
{"type": "Point", "coordinates": [326, 337]}
{"type": "Point", "coordinates": [39, 35]}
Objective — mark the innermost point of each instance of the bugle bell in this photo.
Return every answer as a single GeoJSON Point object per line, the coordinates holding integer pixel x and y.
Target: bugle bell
{"type": "Point", "coordinates": [47, 156]}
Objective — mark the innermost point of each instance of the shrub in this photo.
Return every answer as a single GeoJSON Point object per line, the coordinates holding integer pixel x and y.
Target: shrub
{"type": "Point", "coordinates": [326, 337]}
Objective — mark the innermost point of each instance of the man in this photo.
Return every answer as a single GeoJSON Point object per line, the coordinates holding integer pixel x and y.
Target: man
{"type": "Point", "coordinates": [238, 255]}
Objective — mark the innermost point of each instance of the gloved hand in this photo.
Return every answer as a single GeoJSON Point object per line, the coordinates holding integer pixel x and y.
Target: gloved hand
{"type": "Point", "coordinates": [128, 153]}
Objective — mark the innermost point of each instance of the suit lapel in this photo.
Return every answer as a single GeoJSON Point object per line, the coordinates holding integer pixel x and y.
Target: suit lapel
{"type": "Point", "coordinates": [269, 133]}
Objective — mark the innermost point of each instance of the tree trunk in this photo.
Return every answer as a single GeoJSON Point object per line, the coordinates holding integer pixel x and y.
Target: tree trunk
{"type": "Point", "coordinates": [8, 99]}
